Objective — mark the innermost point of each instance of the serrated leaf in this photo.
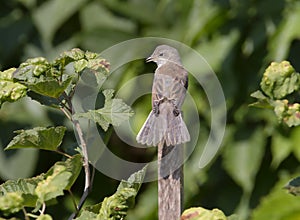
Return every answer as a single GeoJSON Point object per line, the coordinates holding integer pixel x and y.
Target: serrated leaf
{"type": "Point", "coordinates": [39, 137]}
{"type": "Point", "coordinates": [44, 187]}
{"type": "Point", "coordinates": [99, 67]}
{"type": "Point", "coordinates": [26, 187]}
{"type": "Point", "coordinates": [114, 112]}
{"type": "Point", "coordinates": [280, 80]}
{"type": "Point", "coordinates": [32, 69]}
{"type": "Point", "coordinates": [54, 184]}
{"type": "Point", "coordinates": [10, 91]}
{"type": "Point", "coordinates": [42, 77]}
{"type": "Point", "coordinates": [200, 213]}
{"type": "Point", "coordinates": [80, 65]}
{"type": "Point", "coordinates": [50, 87]}
{"type": "Point", "coordinates": [11, 202]}
{"type": "Point", "coordinates": [116, 206]}
{"type": "Point", "coordinates": [134, 181]}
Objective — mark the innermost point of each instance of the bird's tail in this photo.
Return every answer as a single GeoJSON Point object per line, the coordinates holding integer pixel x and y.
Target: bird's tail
{"type": "Point", "coordinates": [163, 127]}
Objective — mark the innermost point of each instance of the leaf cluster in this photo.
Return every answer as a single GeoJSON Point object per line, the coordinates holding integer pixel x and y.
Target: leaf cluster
{"type": "Point", "coordinates": [280, 84]}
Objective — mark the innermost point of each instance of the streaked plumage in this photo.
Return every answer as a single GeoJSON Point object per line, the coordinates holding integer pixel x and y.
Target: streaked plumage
{"type": "Point", "coordinates": [165, 123]}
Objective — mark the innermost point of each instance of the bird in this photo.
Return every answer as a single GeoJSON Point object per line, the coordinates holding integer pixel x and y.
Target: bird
{"type": "Point", "coordinates": [164, 124]}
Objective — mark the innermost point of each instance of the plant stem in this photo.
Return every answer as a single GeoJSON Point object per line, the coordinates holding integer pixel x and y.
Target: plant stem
{"type": "Point", "coordinates": [87, 186]}
{"type": "Point", "coordinates": [67, 110]}
{"type": "Point", "coordinates": [25, 214]}
{"type": "Point", "coordinates": [170, 181]}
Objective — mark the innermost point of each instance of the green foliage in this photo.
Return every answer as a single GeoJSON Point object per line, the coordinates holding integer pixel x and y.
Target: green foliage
{"type": "Point", "coordinates": [114, 112]}
{"type": "Point", "coordinates": [39, 137]}
{"type": "Point", "coordinates": [239, 39]}
{"type": "Point", "coordinates": [279, 81]}
{"type": "Point", "coordinates": [10, 91]}
{"type": "Point", "coordinates": [32, 192]}
{"type": "Point", "coordinates": [116, 206]}
{"type": "Point", "coordinates": [278, 205]}
{"type": "Point", "coordinates": [244, 168]}
{"type": "Point", "coordinates": [51, 84]}
{"type": "Point", "coordinates": [203, 214]}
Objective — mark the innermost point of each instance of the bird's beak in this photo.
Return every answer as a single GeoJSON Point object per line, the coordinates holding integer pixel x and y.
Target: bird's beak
{"type": "Point", "coordinates": [149, 59]}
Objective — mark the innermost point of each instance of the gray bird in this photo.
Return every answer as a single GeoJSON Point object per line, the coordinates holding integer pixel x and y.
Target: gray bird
{"type": "Point", "coordinates": [164, 123]}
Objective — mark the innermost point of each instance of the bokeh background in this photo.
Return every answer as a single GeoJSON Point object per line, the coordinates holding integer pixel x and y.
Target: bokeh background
{"type": "Point", "coordinates": [238, 38]}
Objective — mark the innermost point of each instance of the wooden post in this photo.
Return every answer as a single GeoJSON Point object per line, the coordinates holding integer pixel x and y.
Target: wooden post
{"type": "Point", "coordinates": [170, 182]}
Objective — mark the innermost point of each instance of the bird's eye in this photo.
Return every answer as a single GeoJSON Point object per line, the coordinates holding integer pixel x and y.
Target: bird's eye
{"type": "Point", "coordinates": [161, 54]}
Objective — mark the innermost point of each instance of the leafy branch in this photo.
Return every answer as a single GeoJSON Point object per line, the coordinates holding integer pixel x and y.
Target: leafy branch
{"type": "Point", "coordinates": [53, 84]}
{"type": "Point", "coordinates": [280, 91]}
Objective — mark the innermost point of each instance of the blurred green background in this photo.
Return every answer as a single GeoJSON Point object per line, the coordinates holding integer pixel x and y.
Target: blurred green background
{"type": "Point", "coordinates": [238, 38]}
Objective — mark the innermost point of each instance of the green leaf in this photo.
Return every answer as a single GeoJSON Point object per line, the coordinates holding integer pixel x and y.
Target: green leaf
{"type": "Point", "coordinates": [72, 165]}
{"type": "Point", "coordinates": [286, 32]}
{"type": "Point", "coordinates": [57, 179]}
{"type": "Point", "coordinates": [262, 102]}
{"type": "Point", "coordinates": [281, 147]}
{"type": "Point", "coordinates": [280, 80]}
{"type": "Point", "coordinates": [287, 112]}
{"type": "Point", "coordinates": [39, 137]}
{"type": "Point", "coordinates": [10, 91]}
{"type": "Point", "coordinates": [50, 87]}
{"type": "Point", "coordinates": [67, 57]}
{"type": "Point", "coordinates": [87, 215]}
{"type": "Point", "coordinates": [293, 186]}
{"type": "Point", "coordinates": [203, 214]}
{"type": "Point", "coordinates": [98, 66]}
{"type": "Point", "coordinates": [116, 206]}
{"type": "Point", "coordinates": [32, 69]}
{"type": "Point", "coordinates": [278, 205]}
{"type": "Point", "coordinates": [44, 187]}
{"type": "Point", "coordinates": [26, 187]}
{"type": "Point", "coordinates": [42, 77]}
{"type": "Point", "coordinates": [44, 100]}
{"type": "Point", "coordinates": [49, 17]}
{"type": "Point", "coordinates": [134, 181]}
{"type": "Point", "coordinates": [114, 112]}
{"type": "Point", "coordinates": [243, 157]}
{"type": "Point", "coordinates": [44, 217]}
{"type": "Point", "coordinates": [295, 139]}
{"type": "Point", "coordinates": [11, 202]}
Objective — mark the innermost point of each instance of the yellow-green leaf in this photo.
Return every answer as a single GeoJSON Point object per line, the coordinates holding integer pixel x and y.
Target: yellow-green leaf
{"type": "Point", "coordinates": [39, 137]}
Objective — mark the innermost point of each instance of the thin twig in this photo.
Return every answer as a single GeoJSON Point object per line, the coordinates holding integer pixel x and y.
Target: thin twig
{"type": "Point", "coordinates": [67, 110]}
{"type": "Point", "coordinates": [25, 214]}
{"type": "Point", "coordinates": [87, 186]}
{"type": "Point", "coordinates": [43, 208]}
{"type": "Point", "coordinates": [64, 154]}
